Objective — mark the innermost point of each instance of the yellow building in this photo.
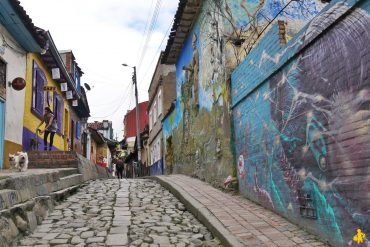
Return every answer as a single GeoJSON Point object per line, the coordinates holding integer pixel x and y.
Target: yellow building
{"type": "Point", "coordinates": [54, 81]}
{"type": "Point", "coordinates": [42, 91]}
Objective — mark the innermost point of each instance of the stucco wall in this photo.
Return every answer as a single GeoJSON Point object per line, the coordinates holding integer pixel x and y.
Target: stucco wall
{"type": "Point", "coordinates": [301, 115]}
{"type": "Point", "coordinates": [93, 151]}
{"type": "Point", "coordinates": [16, 67]}
{"type": "Point", "coordinates": [77, 144]}
{"type": "Point", "coordinates": [31, 121]}
{"type": "Point", "coordinates": [219, 40]}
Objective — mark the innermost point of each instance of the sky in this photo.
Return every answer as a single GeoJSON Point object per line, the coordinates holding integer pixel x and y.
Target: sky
{"type": "Point", "coordinates": [102, 36]}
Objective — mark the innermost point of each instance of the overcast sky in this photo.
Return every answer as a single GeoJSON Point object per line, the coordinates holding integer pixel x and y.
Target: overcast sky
{"type": "Point", "coordinates": [102, 36]}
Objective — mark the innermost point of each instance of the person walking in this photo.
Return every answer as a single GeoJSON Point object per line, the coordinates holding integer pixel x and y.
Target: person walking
{"type": "Point", "coordinates": [119, 168]}
{"type": "Point", "coordinates": [51, 127]}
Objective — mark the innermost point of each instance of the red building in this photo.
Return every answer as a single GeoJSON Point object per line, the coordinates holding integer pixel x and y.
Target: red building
{"type": "Point", "coordinates": [129, 122]}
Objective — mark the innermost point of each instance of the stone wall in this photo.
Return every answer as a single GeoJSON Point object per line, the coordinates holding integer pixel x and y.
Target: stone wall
{"type": "Point", "coordinates": [301, 115]}
{"type": "Point", "coordinates": [27, 198]}
{"type": "Point", "coordinates": [219, 39]}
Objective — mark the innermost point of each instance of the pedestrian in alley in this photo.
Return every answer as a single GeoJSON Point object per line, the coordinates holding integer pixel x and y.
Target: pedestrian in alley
{"type": "Point", "coordinates": [119, 168]}
{"type": "Point", "coordinates": [51, 127]}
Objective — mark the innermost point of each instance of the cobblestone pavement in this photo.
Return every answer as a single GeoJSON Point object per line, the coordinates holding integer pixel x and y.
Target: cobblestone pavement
{"type": "Point", "coordinates": [253, 224]}
{"type": "Point", "coordinates": [120, 213]}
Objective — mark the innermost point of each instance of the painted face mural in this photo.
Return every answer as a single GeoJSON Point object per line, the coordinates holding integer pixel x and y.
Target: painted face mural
{"type": "Point", "coordinates": [308, 141]}
{"type": "Point", "coordinates": [320, 104]}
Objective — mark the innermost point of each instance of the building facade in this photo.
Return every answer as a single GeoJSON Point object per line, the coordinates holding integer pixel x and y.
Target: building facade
{"type": "Point", "coordinates": [129, 123]}
{"type": "Point", "coordinates": [19, 36]}
{"type": "Point", "coordinates": [49, 83]}
{"type": "Point", "coordinates": [162, 92]}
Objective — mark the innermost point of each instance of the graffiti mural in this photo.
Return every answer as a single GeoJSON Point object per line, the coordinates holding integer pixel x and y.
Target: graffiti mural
{"type": "Point", "coordinates": [302, 128]}
{"type": "Point", "coordinates": [220, 38]}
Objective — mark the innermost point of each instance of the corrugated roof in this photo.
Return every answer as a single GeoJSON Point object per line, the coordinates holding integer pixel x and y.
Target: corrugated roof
{"type": "Point", "coordinates": [186, 14]}
{"type": "Point", "coordinates": [27, 21]}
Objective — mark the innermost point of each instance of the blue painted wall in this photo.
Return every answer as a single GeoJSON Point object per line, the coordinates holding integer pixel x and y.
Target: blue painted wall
{"type": "Point", "coordinates": [301, 116]}
{"type": "Point", "coordinates": [200, 124]}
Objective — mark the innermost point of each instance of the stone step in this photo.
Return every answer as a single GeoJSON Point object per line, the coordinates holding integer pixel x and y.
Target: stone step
{"type": "Point", "coordinates": [67, 172]}
{"type": "Point", "coordinates": [9, 198]}
{"type": "Point", "coordinates": [70, 181]}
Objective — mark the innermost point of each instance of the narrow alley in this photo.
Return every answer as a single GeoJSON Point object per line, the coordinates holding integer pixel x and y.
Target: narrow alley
{"type": "Point", "coordinates": [185, 123]}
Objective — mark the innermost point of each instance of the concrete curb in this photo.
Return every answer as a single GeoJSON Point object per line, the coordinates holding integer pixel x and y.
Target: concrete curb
{"type": "Point", "coordinates": [201, 212]}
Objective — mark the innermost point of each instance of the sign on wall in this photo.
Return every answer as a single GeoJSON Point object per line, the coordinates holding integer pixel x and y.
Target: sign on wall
{"type": "Point", "coordinates": [50, 88]}
{"type": "Point", "coordinates": [63, 87]}
{"type": "Point", "coordinates": [69, 95]}
{"type": "Point", "coordinates": [55, 73]}
{"type": "Point", "coordinates": [75, 103]}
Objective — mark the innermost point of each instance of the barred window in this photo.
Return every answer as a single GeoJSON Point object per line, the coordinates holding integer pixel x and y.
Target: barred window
{"type": "Point", "coordinates": [58, 110]}
{"type": "Point", "coordinates": [38, 83]}
{"type": "Point", "coordinates": [2, 73]}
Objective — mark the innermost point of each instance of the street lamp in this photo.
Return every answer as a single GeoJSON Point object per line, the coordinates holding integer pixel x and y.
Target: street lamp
{"type": "Point", "coordinates": [137, 115]}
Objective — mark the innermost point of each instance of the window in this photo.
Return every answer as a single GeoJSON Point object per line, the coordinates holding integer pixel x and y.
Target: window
{"type": "Point", "coordinates": [77, 80]}
{"type": "Point", "coordinates": [78, 130]}
{"type": "Point", "coordinates": [2, 77]}
{"type": "Point", "coordinates": [154, 112]}
{"type": "Point", "coordinates": [38, 82]}
{"type": "Point", "coordinates": [58, 110]}
{"type": "Point", "coordinates": [150, 120]}
{"type": "Point", "coordinates": [159, 102]}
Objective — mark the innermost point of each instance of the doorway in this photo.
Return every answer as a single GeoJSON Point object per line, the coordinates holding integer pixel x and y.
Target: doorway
{"type": "Point", "coordinates": [2, 128]}
{"type": "Point", "coordinates": [66, 129]}
{"type": "Point", "coordinates": [72, 134]}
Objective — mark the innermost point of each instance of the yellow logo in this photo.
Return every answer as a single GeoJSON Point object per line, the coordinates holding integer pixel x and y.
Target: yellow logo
{"type": "Point", "coordinates": [359, 237]}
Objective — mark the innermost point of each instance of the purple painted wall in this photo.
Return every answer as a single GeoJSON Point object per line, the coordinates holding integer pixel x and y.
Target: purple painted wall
{"type": "Point", "coordinates": [28, 143]}
{"type": "Point", "coordinates": [157, 168]}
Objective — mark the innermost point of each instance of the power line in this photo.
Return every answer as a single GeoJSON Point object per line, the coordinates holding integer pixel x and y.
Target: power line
{"type": "Point", "coordinates": [153, 23]}
{"type": "Point", "coordinates": [158, 50]}
{"type": "Point", "coordinates": [124, 98]}
{"type": "Point", "coordinates": [146, 24]}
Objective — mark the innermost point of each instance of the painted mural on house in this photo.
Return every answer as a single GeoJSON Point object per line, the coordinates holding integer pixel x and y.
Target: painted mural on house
{"type": "Point", "coordinates": [220, 38]}
{"type": "Point", "coordinates": [302, 125]}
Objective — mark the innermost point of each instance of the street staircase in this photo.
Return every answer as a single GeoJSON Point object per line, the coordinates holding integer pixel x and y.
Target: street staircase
{"type": "Point", "coordinates": [26, 198]}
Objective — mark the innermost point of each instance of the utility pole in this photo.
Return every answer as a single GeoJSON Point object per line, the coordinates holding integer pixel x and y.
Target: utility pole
{"type": "Point", "coordinates": [137, 119]}
{"type": "Point", "coordinates": [134, 80]}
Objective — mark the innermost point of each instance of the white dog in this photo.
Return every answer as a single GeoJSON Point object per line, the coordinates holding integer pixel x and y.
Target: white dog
{"type": "Point", "coordinates": [19, 161]}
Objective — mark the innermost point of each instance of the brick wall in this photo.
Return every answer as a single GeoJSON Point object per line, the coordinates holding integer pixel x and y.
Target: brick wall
{"type": "Point", "coordinates": [301, 114]}
{"type": "Point", "coordinates": [54, 159]}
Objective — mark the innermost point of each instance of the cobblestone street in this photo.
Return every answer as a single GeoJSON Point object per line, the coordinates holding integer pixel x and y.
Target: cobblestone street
{"type": "Point", "coordinates": [121, 213]}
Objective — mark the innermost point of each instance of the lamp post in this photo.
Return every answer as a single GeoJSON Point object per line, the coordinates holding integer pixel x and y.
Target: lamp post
{"type": "Point", "coordinates": [137, 116]}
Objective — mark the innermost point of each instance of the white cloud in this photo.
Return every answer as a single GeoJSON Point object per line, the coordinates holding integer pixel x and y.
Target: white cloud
{"type": "Point", "coordinates": [103, 35]}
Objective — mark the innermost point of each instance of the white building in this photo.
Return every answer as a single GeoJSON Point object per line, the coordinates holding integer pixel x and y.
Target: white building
{"type": "Point", "coordinates": [17, 37]}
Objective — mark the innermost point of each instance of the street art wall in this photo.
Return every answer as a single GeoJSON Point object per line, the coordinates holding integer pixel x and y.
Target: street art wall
{"type": "Point", "coordinates": [301, 113]}
{"type": "Point", "coordinates": [222, 35]}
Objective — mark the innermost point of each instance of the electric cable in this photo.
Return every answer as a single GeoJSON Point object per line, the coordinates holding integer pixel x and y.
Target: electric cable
{"type": "Point", "coordinates": [158, 50]}
{"type": "Point", "coordinates": [152, 25]}
{"type": "Point", "coordinates": [146, 25]}
{"type": "Point", "coordinates": [119, 105]}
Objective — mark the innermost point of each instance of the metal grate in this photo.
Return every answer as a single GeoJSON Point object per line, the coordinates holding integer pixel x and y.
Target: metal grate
{"type": "Point", "coordinates": [2, 74]}
{"type": "Point", "coordinates": [307, 207]}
